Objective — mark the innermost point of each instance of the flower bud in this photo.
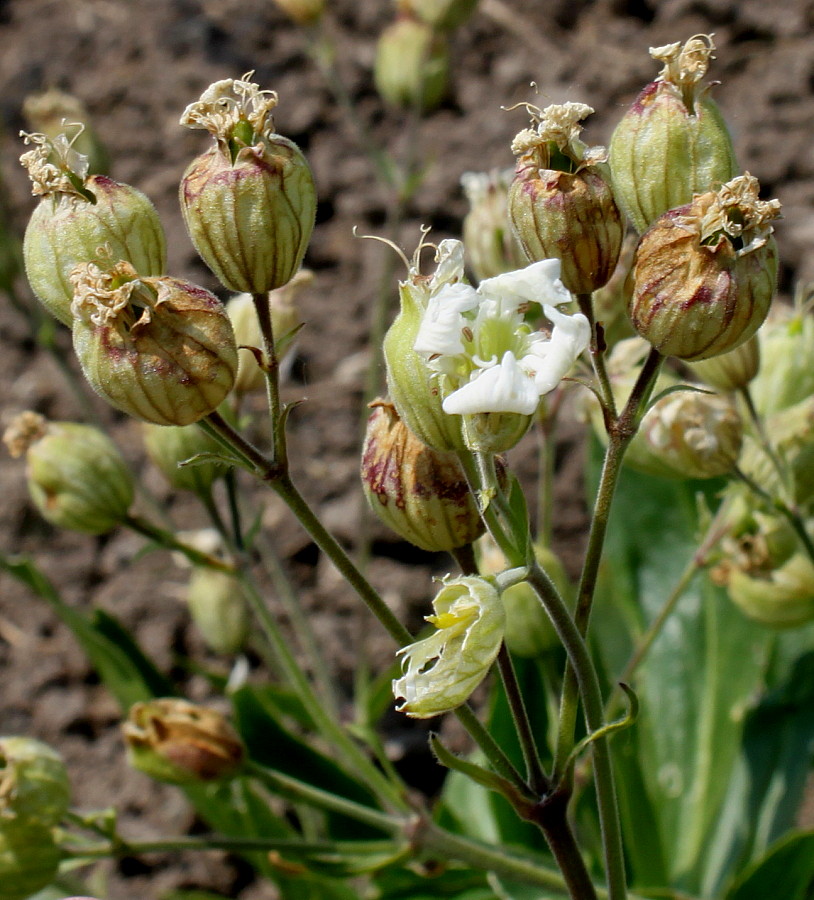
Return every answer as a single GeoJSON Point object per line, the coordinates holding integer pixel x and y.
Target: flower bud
{"type": "Point", "coordinates": [169, 447]}
{"type": "Point", "coordinates": [442, 670]}
{"type": "Point", "coordinates": [731, 371]}
{"type": "Point", "coordinates": [218, 608]}
{"type": "Point", "coordinates": [249, 203]}
{"type": "Point", "coordinates": [76, 476]}
{"type": "Point", "coordinates": [491, 246]}
{"type": "Point", "coordinates": [781, 598]}
{"type": "Point", "coordinates": [786, 349]}
{"type": "Point", "coordinates": [442, 15]}
{"type": "Point", "coordinates": [178, 742]}
{"type": "Point", "coordinates": [411, 384]}
{"type": "Point", "coordinates": [688, 434]}
{"type": "Point", "coordinates": [420, 493]}
{"type": "Point", "coordinates": [560, 203]}
{"type": "Point", "coordinates": [673, 142]}
{"type": "Point", "coordinates": [704, 274]}
{"type": "Point", "coordinates": [412, 65]}
{"type": "Point", "coordinates": [284, 321]}
{"type": "Point", "coordinates": [78, 214]}
{"type": "Point", "coordinates": [34, 786]}
{"type": "Point", "coordinates": [48, 113]}
{"type": "Point", "coordinates": [29, 859]}
{"type": "Point", "coordinates": [303, 12]}
{"type": "Point", "coordinates": [159, 349]}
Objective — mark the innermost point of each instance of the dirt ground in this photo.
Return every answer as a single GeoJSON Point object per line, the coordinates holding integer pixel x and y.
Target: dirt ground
{"type": "Point", "coordinates": [136, 65]}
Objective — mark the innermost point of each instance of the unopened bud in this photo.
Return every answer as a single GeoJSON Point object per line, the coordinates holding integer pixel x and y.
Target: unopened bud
{"type": "Point", "coordinates": [78, 214]}
{"type": "Point", "coordinates": [786, 349]}
{"type": "Point", "coordinates": [442, 670]}
{"type": "Point", "coordinates": [705, 273]}
{"type": "Point", "coordinates": [284, 321]}
{"type": "Point", "coordinates": [442, 15]}
{"type": "Point", "coordinates": [217, 605]}
{"type": "Point", "coordinates": [688, 434]}
{"type": "Point", "coordinates": [560, 203]}
{"type": "Point", "coordinates": [412, 65]}
{"type": "Point", "coordinates": [420, 493]}
{"type": "Point", "coordinates": [76, 475]}
{"type": "Point", "coordinates": [170, 447]}
{"type": "Point", "coordinates": [731, 371]}
{"type": "Point", "coordinates": [303, 12]}
{"type": "Point", "coordinates": [159, 349]}
{"type": "Point", "coordinates": [29, 859]}
{"type": "Point", "coordinates": [673, 142]}
{"type": "Point", "coordinates": [781, 598]}
{"type": "Point", "coordinates": [34, 786]}
{"type": "Point", "coordinates": [249, 203]}
{"type": "Point", "coordinates": [491, 246]}
{"type": "Point", "coordinates": [178, 742]}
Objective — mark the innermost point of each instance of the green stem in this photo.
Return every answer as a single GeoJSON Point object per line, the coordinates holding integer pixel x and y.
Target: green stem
{"type": "Point", "coordinates": [300, 791]}
{"type": "Point", "coordinates": [585, 302]}
{"type": "Point", "coordinates": [169, 541]}
{"type": "Point", "coordinates": [271, 367]}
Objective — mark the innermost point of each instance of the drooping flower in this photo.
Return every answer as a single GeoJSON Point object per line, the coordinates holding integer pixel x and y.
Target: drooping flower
{"type": "Point", "coordinates": [442, 670]}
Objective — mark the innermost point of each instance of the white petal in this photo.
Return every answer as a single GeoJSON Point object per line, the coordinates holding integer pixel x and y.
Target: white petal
{"type": "Point", "coordinates": [537, 283]}
{"type": "Point", "coordinates": [450, 263]}
{"type": "Point", "coordinates": [501, 388]}
{"type": "Point", "coordinates": [440, 329]}
{"type": "Point", "coordinates": [550, 361]}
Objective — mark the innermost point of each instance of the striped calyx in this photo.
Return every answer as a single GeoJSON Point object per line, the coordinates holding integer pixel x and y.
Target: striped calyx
{"type": "Point", "coordinates": [673, 142]}
{"type": "Point", "coordinates": [249, 202]}
{"type": "Point", "coordinates": [159, 349]}
{"type": "Point", "coordinates": [704, 274]}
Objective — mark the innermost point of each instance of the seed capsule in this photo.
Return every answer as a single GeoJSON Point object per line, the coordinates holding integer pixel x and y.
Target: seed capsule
{"type": "Point", "coordinates": [34, 786]}
{"type": "Point", "coordinates": [29, 859]}
{"type": "Point", "coordinates": [560, 203]}
{"type": "Point", "coordinates": [491, 246]}
{"type": "Point", "coordinates": [673, 142]}
{"type": "Point", "coordinates": [178, 742]}
{"type": "Point", "coordinates": [420, 493]}
{"type": "Point", "coordinates": [704, 274]}
{"type": "Point", "coordinates": [159, 349]}
{"type": "Point", "coordinates": [78, 214]}
{"type": "Point", "coordinates": [169, 447]}
{"type": "Point", "coordinates": [217, 605]}
{"type": "Point", "coordinates": [249, 203]}
{"type": "Point", "coordinates": [76, 475]}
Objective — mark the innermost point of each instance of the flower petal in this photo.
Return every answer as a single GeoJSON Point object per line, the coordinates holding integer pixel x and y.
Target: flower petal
{"type": "Point", "coordinates": [440, 329]}
{"type": "Point", "coordinates": [550, 361]}
{"type": "Point", "coordinates": [504, 387]}
{"type": "Point", "coordinates": [537, 283]}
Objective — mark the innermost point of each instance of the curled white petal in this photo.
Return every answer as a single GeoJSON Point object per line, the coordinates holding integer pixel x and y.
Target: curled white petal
{"type": "Point", "coordinates": [449, 263]}
{"type": "Point", "coordinates": [537, 283]}
{"type": "Point", "coordinates": [550, 361]}
{"type": "Point", "coordinates": [441, 671]}
{"type": "Point", "coordinates": [440, 329]}
{"type": "Point", "coordinates": [505, 387]}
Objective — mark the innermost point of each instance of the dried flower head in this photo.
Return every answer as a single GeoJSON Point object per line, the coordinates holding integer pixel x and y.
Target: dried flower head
{"type": "Point", "coordinates": [228, 104]}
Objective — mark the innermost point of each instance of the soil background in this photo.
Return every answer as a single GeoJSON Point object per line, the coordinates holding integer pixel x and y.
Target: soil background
{"type": "Point", "coordinates": [136, 65]}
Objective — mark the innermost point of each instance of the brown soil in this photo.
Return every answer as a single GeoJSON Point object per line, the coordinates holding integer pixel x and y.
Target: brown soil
{"type": "Point", "coordinates": [136, 65]}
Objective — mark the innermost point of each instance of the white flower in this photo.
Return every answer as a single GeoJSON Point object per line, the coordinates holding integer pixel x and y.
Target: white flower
{"type": "Point", "coordinates": [442, 670]}
{"type": "Point", "coordinates": [485, 357]}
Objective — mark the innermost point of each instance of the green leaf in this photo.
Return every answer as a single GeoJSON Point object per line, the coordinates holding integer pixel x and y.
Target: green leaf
{"type": "Point", "coordinates": [519, 520]}
{"type": "Point", "coordinates": [121, 664]}
{"type": "Point", "coordinates": [480, 775]}
{"type": "Point", "coordinates": [695, 685]}
{"type": "Point", "coordinates": [786, 872]}
{"type": "Point", "coordinates": [454, 884]}
{"type": "Point", "coordinates": [271, 744]}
